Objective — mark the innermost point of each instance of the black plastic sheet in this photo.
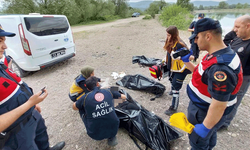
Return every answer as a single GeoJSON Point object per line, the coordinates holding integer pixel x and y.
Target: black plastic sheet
{"type": "Point", "coordinates": [144, 61]}
{"type": "Point", "coordinates": [145, 126]}
{"type": "Point", "coordinates": [140, 82]}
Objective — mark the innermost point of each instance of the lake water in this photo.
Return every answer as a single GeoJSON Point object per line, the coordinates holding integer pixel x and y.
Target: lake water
{"type": "Point", "coordinates": [226, 19]}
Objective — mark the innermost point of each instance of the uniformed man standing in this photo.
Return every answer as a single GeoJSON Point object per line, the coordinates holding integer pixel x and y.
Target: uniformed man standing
{"type": "Point", "coordinates": [194, 46]}
{"type": "Point", "coordinates": [97, 112]}
{"type": "Point", "coordinates": [21, 125]}
{"type": "Point", "coordinates": [241, 45]}
{"type": "Point", "coordinates": [215, 83]}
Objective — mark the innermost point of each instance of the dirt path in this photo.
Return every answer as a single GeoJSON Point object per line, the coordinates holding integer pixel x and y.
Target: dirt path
{"type": "Point", "coordinates": [76, 29]}
{"type": "Point", "coordinates": [109, 48]}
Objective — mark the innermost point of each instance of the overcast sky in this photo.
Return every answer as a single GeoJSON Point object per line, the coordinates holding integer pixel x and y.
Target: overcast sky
{"type": "Point", "coordinates": [176, 0]}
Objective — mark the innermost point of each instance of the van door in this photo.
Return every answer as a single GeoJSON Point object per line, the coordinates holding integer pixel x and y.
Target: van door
{"type": "Point", "coordinates": [49, 37]}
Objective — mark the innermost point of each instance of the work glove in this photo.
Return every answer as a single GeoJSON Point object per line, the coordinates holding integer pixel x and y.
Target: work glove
{"type": "Point", "coordinates": [201, 130]}
{"type": "Point", "coordinates": [186, 57]}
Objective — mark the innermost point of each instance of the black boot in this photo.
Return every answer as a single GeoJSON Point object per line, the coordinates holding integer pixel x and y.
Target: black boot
{"type": "Point", "coordinates": [112, 141]}
{"type": "Point", "coordinates": [170, 111]}
{"type": "Point", "coordinates": [170, 93]}
{"type": "Point", "coordinates": [58, 146]}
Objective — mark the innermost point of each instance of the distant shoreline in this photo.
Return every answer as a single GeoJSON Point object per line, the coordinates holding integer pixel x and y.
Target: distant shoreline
{"type": "Point", "coordinates": [222, 11]}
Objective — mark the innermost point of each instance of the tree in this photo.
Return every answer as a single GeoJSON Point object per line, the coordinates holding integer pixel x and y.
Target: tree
{"type": "Point", "coordinates": [19, 6]}
{"type": "Point", "coordinates": [232, 6]}
{"type": "Point", "coordinates": [201, 7]}
{"type": "Point", "coordinates": [102, 9]}
{"type": "Point", "coordinates": [121, 7]}
{"type": "Point", "coordinates": [245, 6]}
{"type": "Point", "coordinates": [185, 4]}
{"type": "Point", "coordinates": [176, 15]}
{"type": "Point", "coordinates": [153, 9]}
{"type": "Point", "coordinates": [239, 6]}
{"type": "Point", "coordinates": [161, 4]}
{"type": "Point", "coordinates": [76, 10]}
{"type": "Point", "coordinates": [223, 5]}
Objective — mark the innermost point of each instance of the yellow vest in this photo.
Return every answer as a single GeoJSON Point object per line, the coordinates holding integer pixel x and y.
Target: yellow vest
{"type": "Point", "coordinates": [177, 65]}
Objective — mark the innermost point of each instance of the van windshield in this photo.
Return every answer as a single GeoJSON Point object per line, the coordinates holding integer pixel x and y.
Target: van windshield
{"type": "Point", "coordinates": [42, 26]}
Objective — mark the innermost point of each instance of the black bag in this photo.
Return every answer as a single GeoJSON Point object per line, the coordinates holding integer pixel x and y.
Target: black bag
{"type": "Point", "coordinates": [145, 126]}
{"type": "Point", "coordinates": [134, 82]}
{"type": "Point", "coordinates": [143, 61]}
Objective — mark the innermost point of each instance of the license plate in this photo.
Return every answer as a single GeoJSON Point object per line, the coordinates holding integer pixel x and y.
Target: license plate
{"type": "Point", "coordinates": [53, 55]}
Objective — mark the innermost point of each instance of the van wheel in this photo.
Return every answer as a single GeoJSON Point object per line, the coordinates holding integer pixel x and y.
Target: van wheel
{"type": "Point", "coordinates": [20, 72]}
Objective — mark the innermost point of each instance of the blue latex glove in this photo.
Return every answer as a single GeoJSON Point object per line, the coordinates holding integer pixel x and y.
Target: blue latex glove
{"type": "Point", "coordinates": [186, 57]}
{"type": "Point", "coordinates": [201, 130]}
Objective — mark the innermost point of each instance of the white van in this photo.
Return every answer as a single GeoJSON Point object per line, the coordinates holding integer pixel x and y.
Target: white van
{"type": "Point", "coordinates": [40, 41]}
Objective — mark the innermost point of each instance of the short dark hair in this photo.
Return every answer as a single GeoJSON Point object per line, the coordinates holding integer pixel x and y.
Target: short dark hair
{"type": "Point", "coordinates": [217, 31]}
{"type": "Point", "coordinates": [91, 82]}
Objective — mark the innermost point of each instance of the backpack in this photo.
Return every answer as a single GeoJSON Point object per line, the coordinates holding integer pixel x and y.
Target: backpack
{"type": "Point", "coordinates": [156, 71]}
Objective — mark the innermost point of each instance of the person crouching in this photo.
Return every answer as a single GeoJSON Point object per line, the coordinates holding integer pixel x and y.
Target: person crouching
{"type": "Point", "coordinates": [98, 113]}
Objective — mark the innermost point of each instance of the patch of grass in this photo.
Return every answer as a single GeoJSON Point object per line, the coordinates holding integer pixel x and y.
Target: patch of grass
{"type": "Point", "coordinates": [93, 22]}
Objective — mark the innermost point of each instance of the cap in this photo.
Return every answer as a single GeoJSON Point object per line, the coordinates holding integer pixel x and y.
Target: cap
{"type": "Point", "coordinates": [204, 25]}
{"type": "Point", "coordinates": [3, 33]}
{"type": "Point", "coordinates": [201, 15]}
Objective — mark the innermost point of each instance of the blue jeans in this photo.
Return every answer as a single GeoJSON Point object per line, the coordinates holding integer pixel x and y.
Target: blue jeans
{"type": "Point", "coordinates": [196, 116]}
{"type": "Point", "coordinates": [32, 136]}
{"type": "Point", "coordinates": [240, 95]}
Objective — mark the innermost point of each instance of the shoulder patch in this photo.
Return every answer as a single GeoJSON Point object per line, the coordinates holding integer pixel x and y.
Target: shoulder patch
{"type": "Point", "coordinates": [240, 49]}
{"type": "Point", "coordinates": [99, 97]}
{"type": "Point", "coordinates": [220, 76]}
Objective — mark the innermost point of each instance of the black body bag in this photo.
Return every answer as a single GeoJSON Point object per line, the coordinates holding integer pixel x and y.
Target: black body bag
{"type": "Point", "coordinates": [145, 126]}
{"type": "Point", "coordinates": [144, 61]}
{"type": "Point", "coordinates": [142, 83]}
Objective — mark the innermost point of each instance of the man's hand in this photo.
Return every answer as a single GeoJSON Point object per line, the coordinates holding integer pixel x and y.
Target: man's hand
{"type": "Point", "coordinates": [123, 96]}
{"type": "Point", "coordinates": [37, 98]}
{"type": "Point", "coordinates": [38, 108]}
{"type": "Point", "coordinates": [201, 130]}
{"type": "Point", "coordinates": [74, 106]}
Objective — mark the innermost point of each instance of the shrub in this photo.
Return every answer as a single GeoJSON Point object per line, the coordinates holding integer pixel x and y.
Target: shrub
{"type": "Point", "coordinates": [176, 15]}
{"type": "Point", "coordinates": [147, 17]}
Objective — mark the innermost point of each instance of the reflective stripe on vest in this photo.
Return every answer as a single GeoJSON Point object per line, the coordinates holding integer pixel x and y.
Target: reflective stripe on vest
{"type": "Point", "coordinates": [200, 89]}
{"type": "Point", "coordinates": [3, 100]}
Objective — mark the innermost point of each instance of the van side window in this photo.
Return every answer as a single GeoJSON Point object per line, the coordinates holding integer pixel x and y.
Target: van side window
{"type": "Point", "coordinates": [42, 26]}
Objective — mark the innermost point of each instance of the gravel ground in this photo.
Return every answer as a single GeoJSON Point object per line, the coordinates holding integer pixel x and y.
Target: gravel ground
{"type": "Point", "coordinates": [109, 48]}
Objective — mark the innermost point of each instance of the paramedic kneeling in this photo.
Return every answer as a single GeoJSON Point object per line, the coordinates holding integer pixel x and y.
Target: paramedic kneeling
{"type": "Point", "coordinates": [215, 83]}
{"type": "Point", "coordinates": [98, 113]}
